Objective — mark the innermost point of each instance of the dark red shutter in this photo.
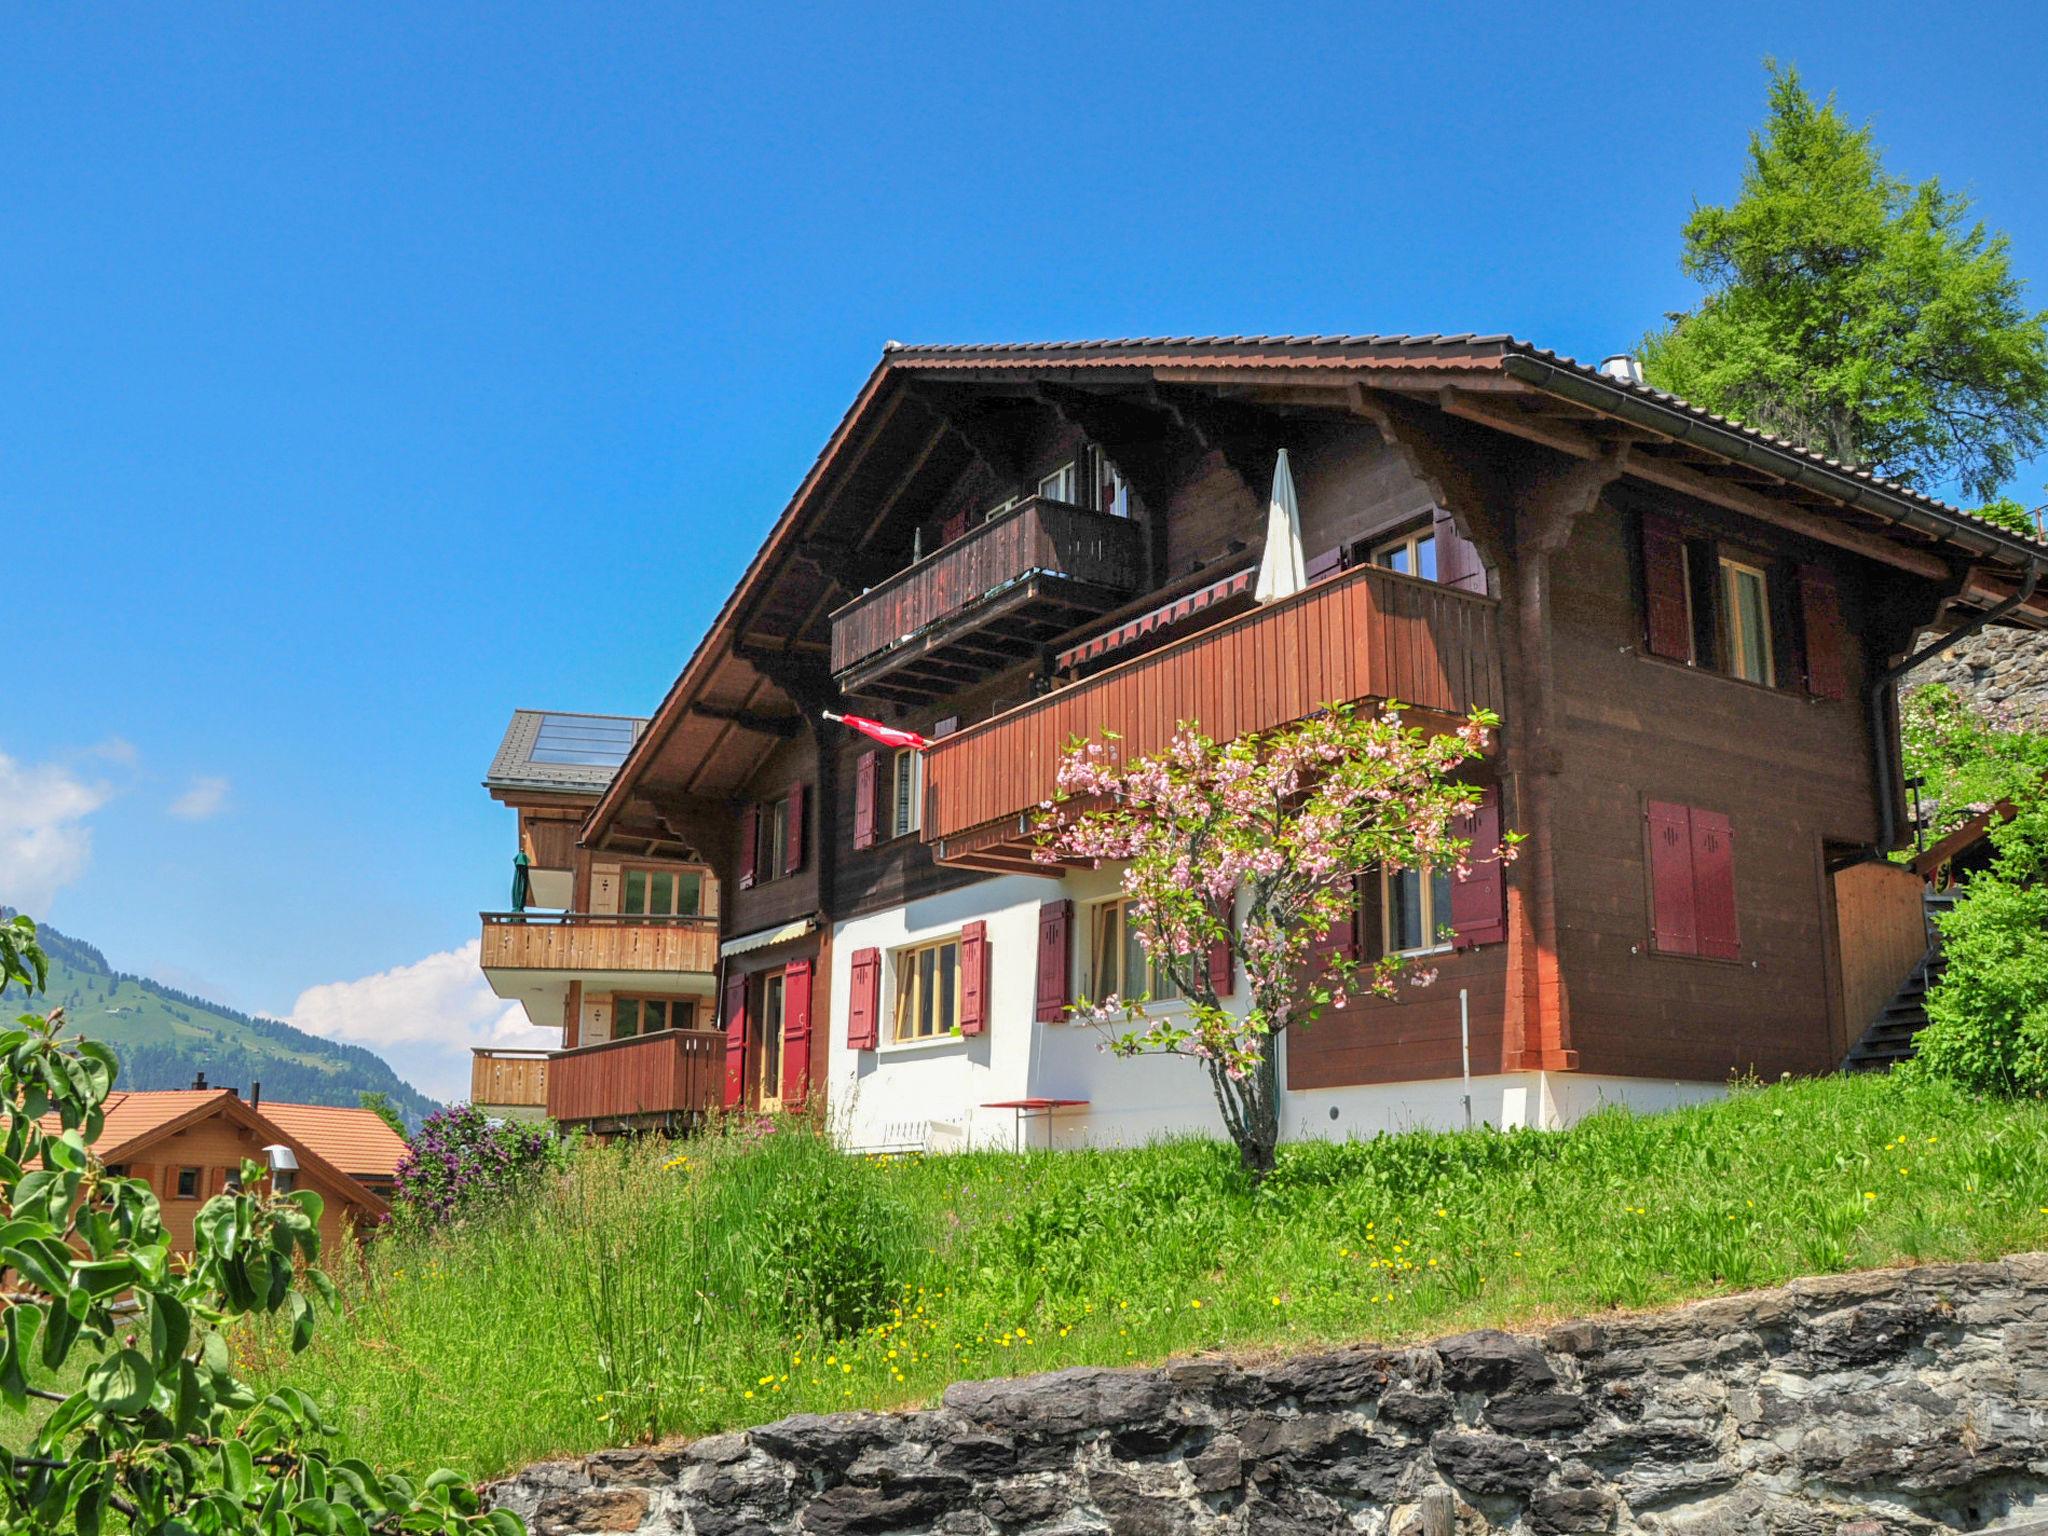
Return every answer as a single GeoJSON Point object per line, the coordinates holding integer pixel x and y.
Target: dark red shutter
{"type": "Point", "coordinates": [1479, 902]}
{"type": "Point", "coordinates": [793, 831]}
{"type": "Point", "coordinates": [1328, 563]}
{"type": "Point", "coordinates": [864, 1005]}
{"type": "Point", "coordinates": [1713, 884]}
{"type": "Point", "coordinates": [973, 978]}
{"type": "Point", "coordinates": [750, 840]}
{"type": "Point", "coordinates": [1821, 610]}
{"type": "Point", "coordinates": [735, 1039]}
{"type": "Point", "coordinates": [1055, 925]}
{"type": "Point", "coordinates": [864, 771]}
{"type": "Point", "coordinates": [1674, 919]}
{"type": "Point", "coordinates": [954, 527]}
{"type": "Point", "coordinates": [1222, 962]}
{"type": "Point", "coordinates": [796, 1033]}
{"type": "Point", "coordinates": [1667, 617]}
{"type": "Point", "coordinates": [1457, 559]}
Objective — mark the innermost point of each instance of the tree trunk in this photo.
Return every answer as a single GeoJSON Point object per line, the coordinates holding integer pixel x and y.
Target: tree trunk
{"type": "Point", "coordinates": [1251, 1106]}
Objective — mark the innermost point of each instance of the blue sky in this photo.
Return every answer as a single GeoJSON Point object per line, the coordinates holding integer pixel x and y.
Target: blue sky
{"type": "Point", "coordinates": [370, 371]}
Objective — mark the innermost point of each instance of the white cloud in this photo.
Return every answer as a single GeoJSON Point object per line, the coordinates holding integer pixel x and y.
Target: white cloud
{"type": "Point", "coordinates": [423, 1018]}
{"type": "Point", "coordinates": [45, 842]}
{"type": "Point", "coordinates": [203, 798]}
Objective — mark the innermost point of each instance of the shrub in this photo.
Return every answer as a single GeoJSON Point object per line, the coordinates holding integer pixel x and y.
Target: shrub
{"type": "Point", "coordinates": [1988, 1016]}
{"type": "Point", "coordinates": [463, 1162]}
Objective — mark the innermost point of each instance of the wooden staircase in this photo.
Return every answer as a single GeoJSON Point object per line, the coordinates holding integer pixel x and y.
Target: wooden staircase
{"type": "Point", "coordinates": [1889, 1039]}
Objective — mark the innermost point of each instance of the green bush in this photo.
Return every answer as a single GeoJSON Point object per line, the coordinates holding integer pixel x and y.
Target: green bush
{"type": "Point", "coordinates": [1987, 1026]}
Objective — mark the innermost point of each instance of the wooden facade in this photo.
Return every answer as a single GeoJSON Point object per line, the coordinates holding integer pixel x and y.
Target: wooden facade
{"type": "Point", "coordinates": [1881, 926]}
{"type": "Point", "coordinates": [590, 941]}
{"type": "Point", "coordinates": [671, 1079]}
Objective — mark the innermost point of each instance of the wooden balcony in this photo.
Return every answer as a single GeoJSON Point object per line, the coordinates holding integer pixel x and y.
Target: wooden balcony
{"type": "Point", "coordinates": [668, 1080]}
{"type": "Point", "coordinates": [1367, 634]}
{"type": "Point", "coordinates": [509, 1080]}
{"type": "Point", "coordinates": [591, 943]}
{"type": "Point", "coordinates": [982, 603]}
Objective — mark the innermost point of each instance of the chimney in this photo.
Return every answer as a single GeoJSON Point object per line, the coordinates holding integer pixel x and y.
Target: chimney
{"type": "Point", "coordinates": [199, 1083]}
{"type": "Point", "coordinates": [1622, 367]}
{"type": "Point", "coordinates": [255, 1095]}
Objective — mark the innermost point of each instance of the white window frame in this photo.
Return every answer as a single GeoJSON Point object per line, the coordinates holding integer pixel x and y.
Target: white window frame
{"type": "Point", "coordinates": [1409, 543]}
{"type": "Point", "coordinates": [1058, 485]}
{"type": "Point", "coordinates": [1737, 659]}
{"type": "Point", "coordinates": [905, 1000]}
{"type": "Point", "coordinates": [906, 814]}
{"type": "Point", "coordinates": [1434, 923]}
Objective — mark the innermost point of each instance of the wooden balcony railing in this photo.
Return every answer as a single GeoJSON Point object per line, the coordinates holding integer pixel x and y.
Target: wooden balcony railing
{"type": "Point", "coordinates": [1367, 634]}
{"type": "Point", "coordinates": [598, 941]}
{"type": "Point", "coordinates": [1020, 578]}
{"type": "Point", "coordinates": [673, 1074]}
{"type": "Point", "coordinates": [509, 1079]}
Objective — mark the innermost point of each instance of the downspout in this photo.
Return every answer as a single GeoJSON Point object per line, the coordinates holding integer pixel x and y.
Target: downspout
{"type": "Point", "coordinates": [1880, 724]}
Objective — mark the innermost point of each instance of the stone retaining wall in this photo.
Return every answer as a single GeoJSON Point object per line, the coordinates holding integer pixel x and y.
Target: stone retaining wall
{"type": "Point", "coordinates": [1893, 1401]}
{"type": "Point", "coordinates": [2003, 672]}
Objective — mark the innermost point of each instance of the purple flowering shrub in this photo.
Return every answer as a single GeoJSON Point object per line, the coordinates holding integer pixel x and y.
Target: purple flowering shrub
{"type": "Point", "coordinates": [462, 1162]}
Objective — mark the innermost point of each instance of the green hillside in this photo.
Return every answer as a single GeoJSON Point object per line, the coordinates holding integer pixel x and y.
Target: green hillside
{"type": "Point", "coordinates": [165, 1037]}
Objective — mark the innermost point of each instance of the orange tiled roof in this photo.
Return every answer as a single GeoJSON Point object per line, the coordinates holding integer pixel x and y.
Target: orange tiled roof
{"type": "Point", "coordinates": [356, 1141]}
{"type": "Point", "coordinates": [133, 1117]}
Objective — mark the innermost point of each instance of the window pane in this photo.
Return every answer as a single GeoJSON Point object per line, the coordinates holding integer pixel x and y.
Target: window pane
{"type": "Point", "coordinates": [1752, 619]}
{"type": "Point", "coordinates": [625, 1018]}
{"type": "Point", "coordinates": [1395, 559]}
{"type": "Point", "coordinates": [1425, 557]}
{"type": "Point", "coordinates": [1136, 964]}
{"type": "Point", "coordinates": [636, 893]}
{"type": "Point", "coordinates": [661, 894]}
{"type": "Point", "coordinates": [927, 977]}
{"type": "Point", "coordinates": [949, 979]}
{"type": "Point", "coordinates": [1108, 951]}
{"type": "Point", "coordinates": [689, 894]}
{"type": "Point", "coordinates": [1404, 909]}
{"type": "Point", "coordinates": [1439, 905]}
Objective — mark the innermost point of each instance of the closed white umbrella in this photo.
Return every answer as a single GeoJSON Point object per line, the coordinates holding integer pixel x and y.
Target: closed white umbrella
{"type": "Point", "coordinates": [1281, 569]}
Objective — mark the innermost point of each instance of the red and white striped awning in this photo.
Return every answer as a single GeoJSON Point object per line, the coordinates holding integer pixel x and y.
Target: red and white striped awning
{"type": "Point", "coordinates": [1162, 617]}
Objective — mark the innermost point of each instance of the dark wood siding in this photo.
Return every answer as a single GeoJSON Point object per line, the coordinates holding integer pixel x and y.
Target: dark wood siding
{"type": "Point", "coordinates": [777, 898]}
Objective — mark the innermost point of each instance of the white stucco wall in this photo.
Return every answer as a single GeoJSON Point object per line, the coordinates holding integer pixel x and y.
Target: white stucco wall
{"type": "Point", "coordinates": [933, 1094]}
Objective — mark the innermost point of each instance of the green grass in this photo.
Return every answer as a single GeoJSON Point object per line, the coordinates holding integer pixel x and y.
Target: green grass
{"type": "Point", "coordinates": [647, 1298]}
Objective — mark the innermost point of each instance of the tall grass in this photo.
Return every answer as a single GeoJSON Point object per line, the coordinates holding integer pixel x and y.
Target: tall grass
{"type": "Point", "coordinates": [684, 1288]}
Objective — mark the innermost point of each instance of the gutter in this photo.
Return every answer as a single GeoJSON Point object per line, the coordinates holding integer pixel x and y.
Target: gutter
{"type": "Point", "coordinates": [1880, 722]}
{"type": "Point", "coordinates": [1900, 509]}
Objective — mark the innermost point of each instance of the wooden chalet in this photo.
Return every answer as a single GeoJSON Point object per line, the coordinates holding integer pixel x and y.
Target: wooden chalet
{"type": "Point", "coordinates": [1691, 629]}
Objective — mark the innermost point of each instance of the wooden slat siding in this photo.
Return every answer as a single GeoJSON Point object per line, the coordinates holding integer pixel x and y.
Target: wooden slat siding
{"type": "Point", "coordinates": [590, 942]}
{"type": "Point", "coordinates": [1881, 917]}
{"type": "Point", "coordinates": [1411, 1037]}
{"type": "Point", "coordinates": [508, 1079]}
{"type": "Point", "coordinates": [1368, 634]}
{"type": "Point", "coordinates": [549, 842]}
{"type": "Point", "coordinates": [673, 1071]}
{"type": "Point", "coordinates": [1039, 536]}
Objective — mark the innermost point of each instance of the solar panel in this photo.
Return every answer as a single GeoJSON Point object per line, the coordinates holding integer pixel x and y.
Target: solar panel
{"type": "Point", "coordinates": [583, 741]}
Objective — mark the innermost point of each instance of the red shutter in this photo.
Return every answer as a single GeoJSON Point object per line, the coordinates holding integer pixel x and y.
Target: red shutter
{"type": "Point", "coordinates": [954, 527]}
{"type": "Point", "coordinates": [735, 1039]}
{"type": "Point", "coordinates": [1713, 883]}
{"type": "Point", "coordinates": [864, 1006]}
{"type": "Point", "coordinates": [1457, 559]}
{"type": "Point", "coordinates": [1055, 924]}
{"type": "Point", "coordinates": [974, 978]}
{"type": "Point", "coordinates": [1821, 609]}
{"type": "Point", "coordinates": [750, 838]}
{"type": "Point", "coordinates": [796, 1033]}
{"type": "Point", "coordinates": [1479, 902]}
{"type": "Point", "coordinates": [1667, 616]}
{"type": "Point", "coordinates": [1223, 963]}
{"type": "Point", "coordinates": [864, 799]}
{"type": "Point", "coordinates": [793, 831]}
{"type": "Point", "coordinates": [1674, 926]}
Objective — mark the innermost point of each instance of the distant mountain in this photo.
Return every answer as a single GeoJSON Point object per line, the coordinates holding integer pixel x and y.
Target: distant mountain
{"type": "Point", "coordinates": [165, 1037]}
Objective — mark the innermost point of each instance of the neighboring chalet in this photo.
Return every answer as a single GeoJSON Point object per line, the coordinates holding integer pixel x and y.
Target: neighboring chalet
{"type": "Point", "coordinates": [618, 950]}
{"type": "Point", "coordinates": [1689, 628]}
{"type": "Point", "coordinates": [189, 1145]}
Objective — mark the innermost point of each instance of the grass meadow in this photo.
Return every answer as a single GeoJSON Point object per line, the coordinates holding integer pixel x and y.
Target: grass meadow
{"type": "Point", "coordinates": [664, 1289]}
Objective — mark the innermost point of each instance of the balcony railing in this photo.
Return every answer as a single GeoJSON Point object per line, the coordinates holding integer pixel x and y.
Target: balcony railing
{"type": "Point", "coordinates": [978, 604]}
{"type": "Point", "coordinates": [1367, 634]}
{"type": "Point", "coordinates": [506, 1079]}
{"type": "Point", "coordinates": [672, 1076]}
{"type": "Point", "coordinates": [598, 941]}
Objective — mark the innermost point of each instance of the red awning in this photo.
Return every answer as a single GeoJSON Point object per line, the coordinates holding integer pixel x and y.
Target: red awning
{"type": "Point", "coordinates": [1162, 617]}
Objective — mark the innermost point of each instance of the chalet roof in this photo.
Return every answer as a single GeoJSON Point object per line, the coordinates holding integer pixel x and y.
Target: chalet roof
{"type": "Point", "coordinates": [138, 1120]}
{"type": "Point", "coordinates": [1497, 380]}
{"type": "Point", "coordinates": [562, 751]}
{"type": "Point", "coordinates": [356, 1141]}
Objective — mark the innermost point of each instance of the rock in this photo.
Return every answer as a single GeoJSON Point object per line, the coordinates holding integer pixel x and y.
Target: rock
{"type": "Point", "coordinates": [1065, 1403]}
{"type": "Point", "coordinates": [1489, 1463]}
{"type": "Point", "coordinates": [1538, 1413]}
{"type": "Point", "coordinates": [1491, 1361]}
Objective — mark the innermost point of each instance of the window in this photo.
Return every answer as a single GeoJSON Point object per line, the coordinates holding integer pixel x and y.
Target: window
{"type": "Point", "coordinates": [1415, 910]}
{"type": "Point", "coordinates": [188, 1183]}
{"type": "Point", "coordinates": [906, 792]}
{"type": "Point", "coordinates": [771, 841]}
{"type": "Point", "coordinates": [662, 893]}
{"type": "Point", "coordinates": [1118, 963]}
{"type": "Point", "coordinates": [648, 1015]}
{"type": "Point", "coordinates": [1059, 485]}
{"type": "Point", "coordinates": [928, 991]}
{"type": "Point", "coordinates": [1746, 621]}
{"type": "Point", "coordinates": [1413, 554]}
{"type": "Point", "coordinates": [767, 1052]}
{"type": "Point", "coordinates": [283, 1180]}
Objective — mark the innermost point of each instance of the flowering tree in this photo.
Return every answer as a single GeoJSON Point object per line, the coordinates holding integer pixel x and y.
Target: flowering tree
{"type": "Point", "coordinates": [462, 1162]}
{"type": "Point", "coordinates": [1288, 820]}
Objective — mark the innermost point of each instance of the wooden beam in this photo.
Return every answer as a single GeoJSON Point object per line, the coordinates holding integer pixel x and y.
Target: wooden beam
{"type": "Point", "coordinates": [783, 726]}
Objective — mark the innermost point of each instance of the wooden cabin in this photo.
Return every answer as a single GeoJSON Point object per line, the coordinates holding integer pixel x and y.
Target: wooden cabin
{"type": "Point", "coordinates": [1688, 627]}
